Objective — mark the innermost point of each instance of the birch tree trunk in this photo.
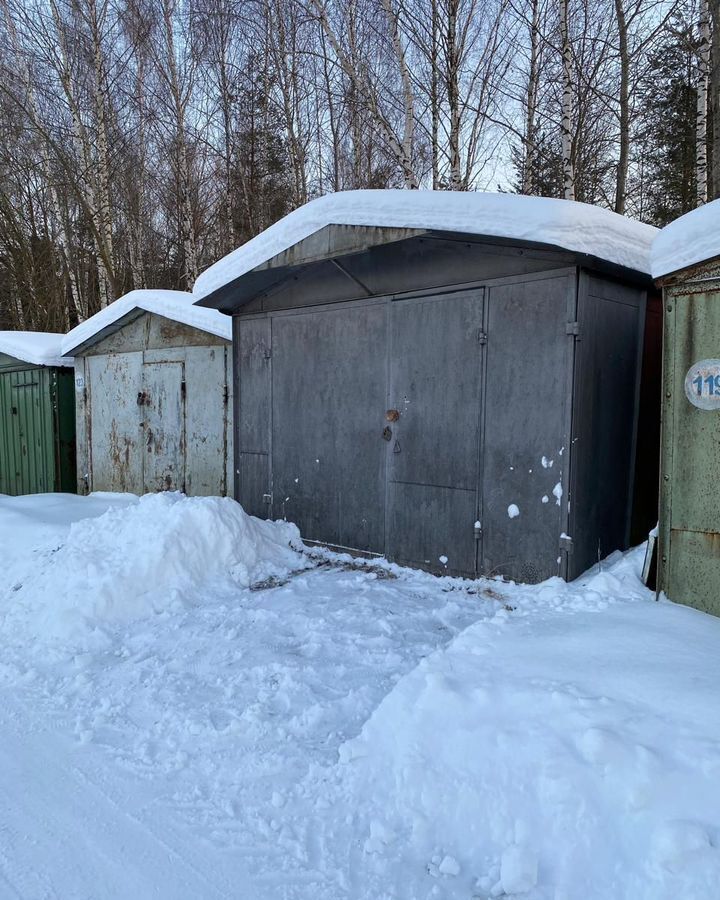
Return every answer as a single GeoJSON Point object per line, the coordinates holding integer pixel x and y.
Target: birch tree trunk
{"type": "Point", "coordinates": [452, 75]}
{"type": "Point", "coordinates": [104, 208]}
{"type": "Point", "coordinates": [178, 103]}
{"type": "Point", "coordinates": [528, 176]}
{"type": "Point", "coordinates": [355, 71]}
{"type": "Point", "coordinates": [567, 105]}
{"type": "Point", "coordinates": [624, 102]}
{"type": "Point", "coordinates": [701, 135]}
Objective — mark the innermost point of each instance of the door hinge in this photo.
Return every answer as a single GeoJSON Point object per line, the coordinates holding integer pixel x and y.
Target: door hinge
{"type": "Point", "coordinates": [566, 543]}
{"type": "Point", "coordinates": [573, 328]}
{"type": "Point", "coordinates": [267, 498]}
{"type": "Point", "coordinates": [268, 353]}
{"type": "Point", "coordinates": [481, 336]}
{"type": "Point", "coordinates": [183, 389]}
{"type": "Point", "coordinates": [226, 395]}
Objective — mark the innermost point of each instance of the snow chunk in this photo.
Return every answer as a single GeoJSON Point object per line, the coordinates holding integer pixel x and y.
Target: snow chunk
{"type": "Point", "coordinates": [41, 348]}
{"type": "Point", "coordinates": [175, 305]}
{"type": "Point", "coordinates": [155, 554]}
{"type": "Point", "coordinates": [691, 239]}
{"type": "Point", "coordinates": [577, 227]}
{"type": "Point", "coordinates": [443, 559]}
{"type": "Point", "coordinates": [513, 511]}
{"type": "Point", "coordinates": [518, 870]}
{"type": "Point", "coordinates": [449, 866]}
{"type": "Point", "coordinates": [558, 492]}
{"type": "Point", "coordinates": [547, 463]}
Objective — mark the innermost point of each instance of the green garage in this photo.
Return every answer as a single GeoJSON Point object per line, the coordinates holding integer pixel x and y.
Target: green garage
{"type": "Point", "coordinates": [37, 414]}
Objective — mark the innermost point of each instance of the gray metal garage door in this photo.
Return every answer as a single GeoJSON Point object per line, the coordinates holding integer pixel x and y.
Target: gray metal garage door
{"type": "Point", "coordinates": [433, 453]}
{"type": "Point", "coordinates": [525, 428]}
{"type": "Point", "coordinates": [377, 419]}
{"type": "Point", "coordinates": [329, 394]}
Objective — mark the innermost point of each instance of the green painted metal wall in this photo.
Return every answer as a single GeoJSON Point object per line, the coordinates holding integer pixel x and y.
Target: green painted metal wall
{"type": "Point", "coordinates": [37, 429]}
{"type": "Point", "coordinates": [689, 551]}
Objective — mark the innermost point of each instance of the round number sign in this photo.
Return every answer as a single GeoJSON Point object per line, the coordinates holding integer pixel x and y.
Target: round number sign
{"type": "Point", "coordinates": [702, 384]}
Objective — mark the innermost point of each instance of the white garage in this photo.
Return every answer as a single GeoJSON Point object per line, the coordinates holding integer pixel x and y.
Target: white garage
{"type": "Point", "coordinates": [153, 388]}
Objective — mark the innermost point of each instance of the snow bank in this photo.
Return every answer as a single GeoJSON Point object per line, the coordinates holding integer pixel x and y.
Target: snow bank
{"type": "Point", "coordinates": [563, 756]}
{"type": "Point", "coordinates": [41, 348]}
{"type": "Point", "coordinates": [163, 551]}
{"type": "Point", "coordinates": [175, 305]}
{"type": "Point", "coordinates": [578, 227]}
{"type": "Point", "coordinates": [691, 239]}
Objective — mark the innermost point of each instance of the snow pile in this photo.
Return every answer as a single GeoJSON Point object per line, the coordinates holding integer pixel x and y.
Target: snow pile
{"type": "Point", "coordinates": [156, 554]}
{"type": "Point", "coordinates": [691, 239]}
{"type": "Point", "coordinates": [561, 749]}
{"type": "Point", "coordinates": [578, 227]}
{"type": "Point", "coordinates": [175, 305]}
{"type": "Point", "coordinates": [41, 348]}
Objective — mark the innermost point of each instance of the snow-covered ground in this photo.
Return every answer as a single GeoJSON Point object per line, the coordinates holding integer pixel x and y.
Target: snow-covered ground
{"type": "Point", "coordinates": [192, 707]}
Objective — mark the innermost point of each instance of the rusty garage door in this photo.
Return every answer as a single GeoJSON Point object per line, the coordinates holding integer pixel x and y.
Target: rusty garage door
{"type": "Point", "coordinates": [137, 424]}
{"type": "Point", "coordinates": [115, 438]}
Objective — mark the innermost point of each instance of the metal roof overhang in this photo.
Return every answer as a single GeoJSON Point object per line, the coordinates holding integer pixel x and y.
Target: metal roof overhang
{"type": "Point", "coordinates": [262, 282]}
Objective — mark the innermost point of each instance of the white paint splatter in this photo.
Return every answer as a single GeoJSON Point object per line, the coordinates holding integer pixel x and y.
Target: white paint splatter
{"type": "Point", "coordinates": [513, 511]}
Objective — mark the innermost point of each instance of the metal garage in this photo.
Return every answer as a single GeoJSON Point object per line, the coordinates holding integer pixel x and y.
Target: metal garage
{"type": "Point", "coordinates": [153, 386]}
{"type": "Point", "coordinates": [37, 414]}
{"type": "Point", "coordinates": [686, 261]}
{"type": "Point", "coordinates": [448, 380]}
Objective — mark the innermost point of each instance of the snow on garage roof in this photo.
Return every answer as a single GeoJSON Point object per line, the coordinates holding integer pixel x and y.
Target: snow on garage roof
{"type": "Point", "coordinates": [175, 305]}
{"type": "Point", "coordinates": [577, 227]}
{"type": "Point", "coordinates": [41, 348]}
{"type": "Point", "coordinates": [691, 239]}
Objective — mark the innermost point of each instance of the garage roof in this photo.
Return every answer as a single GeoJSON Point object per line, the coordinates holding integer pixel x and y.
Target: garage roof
{"type": "Point", "coordinates": [175, 305]}
{"type": "Point", "coordinates": [40, 348]}
{"type": "Point", "coordinates": [577, 227]}
{"type": "Point", "coordinates": [689, 240]}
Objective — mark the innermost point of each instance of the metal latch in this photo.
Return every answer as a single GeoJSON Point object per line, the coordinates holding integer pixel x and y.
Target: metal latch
{"type": "Point", "coordinates": [573, 328]}
{"type": "Point", "coordinates": [566, 543]}
{"type": "Point", "coordinates": [267, 498]}
{"type": "Point", "coordinates": [481, 336]}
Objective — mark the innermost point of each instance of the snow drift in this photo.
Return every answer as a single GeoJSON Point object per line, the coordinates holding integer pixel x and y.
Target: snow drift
{"type": "Point", "coordinates": [159, 552]}
{"type": "Point", "coordinates": [500, 763]}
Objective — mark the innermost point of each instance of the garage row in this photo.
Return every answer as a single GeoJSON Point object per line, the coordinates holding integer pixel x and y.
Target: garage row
{"type": "Point", "coordinates": [469, 383]}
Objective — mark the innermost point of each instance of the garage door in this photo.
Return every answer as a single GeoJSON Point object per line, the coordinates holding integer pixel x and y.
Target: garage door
{"type": "Point", "coordinates": [329, 396]}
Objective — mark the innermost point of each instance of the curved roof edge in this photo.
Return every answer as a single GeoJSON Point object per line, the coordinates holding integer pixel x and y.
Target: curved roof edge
{"type": "Point", "coordinates": [175, 305]}
{"type": "Point", "coordinates": [692, 239]}
{"type": "Point", "coordinates": [40, 348]}
{"type": "Point", "coordinates": [565, 224]}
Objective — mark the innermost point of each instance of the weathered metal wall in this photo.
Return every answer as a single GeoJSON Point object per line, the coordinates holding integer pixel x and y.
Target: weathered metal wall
{"type": "Point", "coordinates": [611, 319]}
{"type": "Point", "coordinates": [689, 546]}
{"type": "Point", "coordinates": [36, 429]}
{"type": "Point", "coordinates": [154, 401]}
{"type": "Point", "coordinates": [414, 426]}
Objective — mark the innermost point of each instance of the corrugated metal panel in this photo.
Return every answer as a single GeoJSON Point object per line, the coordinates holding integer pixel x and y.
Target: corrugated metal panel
{"type": "Point", "coordinates": [689, 564]}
